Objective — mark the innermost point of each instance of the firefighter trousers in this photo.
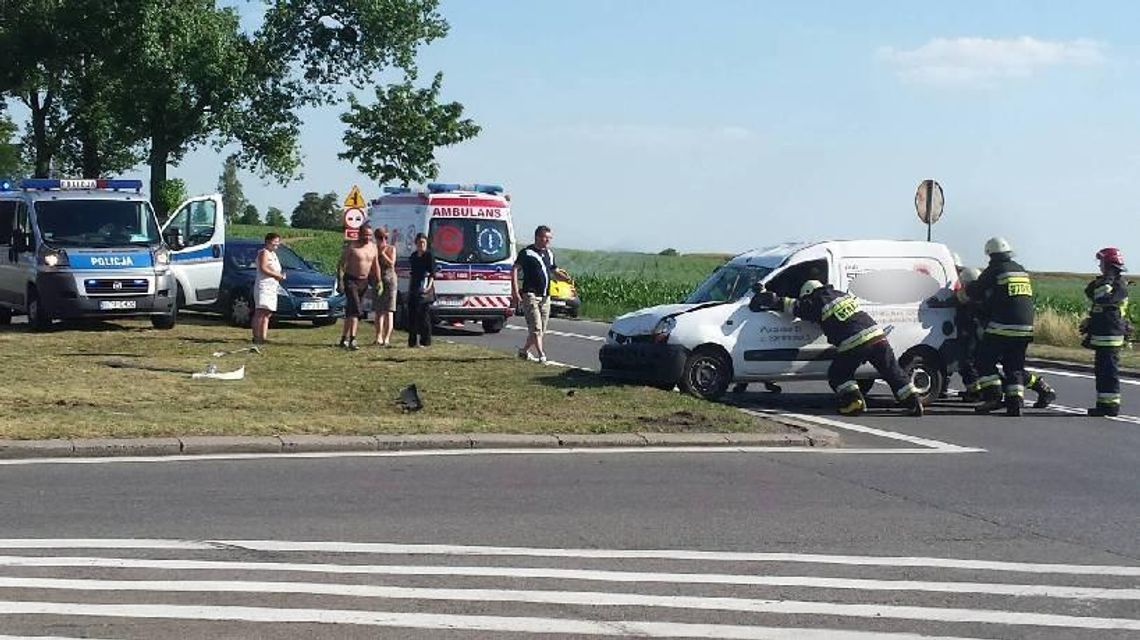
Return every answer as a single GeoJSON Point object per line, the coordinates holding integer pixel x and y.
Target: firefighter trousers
{"type": "Point", "coordinates": [841, 374]}
{"type": "Point", "coordinates": [1010, 353]}
{"type": "Point", "coordinates": [967, 360]}
{"type": "Point", "coordinates": [1107, 366]}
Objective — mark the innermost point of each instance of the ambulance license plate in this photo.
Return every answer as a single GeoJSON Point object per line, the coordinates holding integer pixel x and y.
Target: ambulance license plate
{"type": "Point", "coordinates": [117, 305]}
{"type": "Point", "coordinates": [315, 305]}
{"type": "Point", "coordinates": [449, 301]}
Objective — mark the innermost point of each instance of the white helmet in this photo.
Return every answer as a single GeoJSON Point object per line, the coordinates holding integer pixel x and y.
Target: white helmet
{"type": "Point", "coordinates": [998, 244]}
{"type": "Point", "coordinates": [809, 286]}
{"type": "Point", "coordinates": [957, 259]}
{"type": "Point", "coordinates": [969, 274]}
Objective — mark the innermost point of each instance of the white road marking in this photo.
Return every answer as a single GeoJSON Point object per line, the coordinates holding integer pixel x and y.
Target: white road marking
{"type": "Point", "coordinates": [488, 551]}
{"type": "Point", "coordinates": [564, 334]}
{"type": "Point", "coordinates": [1075, 374]}
{"type": "Point", "coordinates": [597, 599]}
{"type": "Point", "coordinates": [577, 597]}
{"type": "Point", "coordinates": [500, 624]}
{"type": "Point", "coordinates": [1083, 412]}
{"type": "Point", "coordinates": [936, 445]}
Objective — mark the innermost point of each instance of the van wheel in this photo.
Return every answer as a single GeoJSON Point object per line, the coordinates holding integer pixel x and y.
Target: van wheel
{"type": "Point", "coordinates": [865, 386]}
{"type": "Point", "coordinates": [707, 374]}
{"type": "Point", "coordinates": [925, 373]}
{"type": "Point", "coordinates": [38, 318]}
{"type": "Point", "coordinates": [240, 310]}
{"type": "Point", "coordinates": [165, 321]}
{"type": "Point", "coordinates": [5, 317]}
{"type": "Point", "coordinates": [493, 326]}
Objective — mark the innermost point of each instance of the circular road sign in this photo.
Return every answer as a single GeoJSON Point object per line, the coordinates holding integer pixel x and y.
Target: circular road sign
{"type": "Point", "coordinates": [353, 218]}
{"type": "Point", "coordinates": [928, 201]}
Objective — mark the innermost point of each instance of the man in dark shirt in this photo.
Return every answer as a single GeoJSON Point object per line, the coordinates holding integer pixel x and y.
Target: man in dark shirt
{"type": "Point", "coordinates": [532, 294]}
{"type": "Point", "coordinates": [421, 293]}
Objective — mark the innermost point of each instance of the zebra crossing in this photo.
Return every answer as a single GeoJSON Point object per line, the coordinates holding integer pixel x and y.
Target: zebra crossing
{"type": "Point", "coordinates": [146, 588]}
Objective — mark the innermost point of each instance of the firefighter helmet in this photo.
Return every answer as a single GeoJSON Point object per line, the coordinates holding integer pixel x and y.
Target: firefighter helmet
{"type": "Point", "coordinates": [1112, 256]}
{"type": "Point", "coordinates": [969, 274]}
{"type": "Point", "coordinates": [809, 286]}
{"type": "Point", "coordinates": [998, 244]}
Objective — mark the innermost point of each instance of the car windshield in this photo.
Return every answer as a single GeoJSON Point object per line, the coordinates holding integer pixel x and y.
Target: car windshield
{"type": "Point", "coordinates": [96, 223]}
{"type": "Point", "coordinates": [469, 241]}
{"type": "Point", "coordinates": [728, 283]}
{"type": "Point", "coordinates": [244, 256]}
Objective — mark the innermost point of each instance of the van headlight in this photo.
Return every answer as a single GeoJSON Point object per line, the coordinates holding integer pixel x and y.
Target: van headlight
{"type": "Point", "coordinates": [53, 258]}
{"type": "Point", "coordinates": [663, 328]}
{"type": "Point", "coordinates": [162, 257]}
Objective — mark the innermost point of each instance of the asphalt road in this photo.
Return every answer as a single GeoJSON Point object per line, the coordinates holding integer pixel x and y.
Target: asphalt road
{"type": "Point", "coordinates": [954, 525]}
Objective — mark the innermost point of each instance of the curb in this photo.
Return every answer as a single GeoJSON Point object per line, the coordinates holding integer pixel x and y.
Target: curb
{"type": "Point", "coordinates": [798, 435]}
{"type": "Point", "coordinates": [1076, 367]}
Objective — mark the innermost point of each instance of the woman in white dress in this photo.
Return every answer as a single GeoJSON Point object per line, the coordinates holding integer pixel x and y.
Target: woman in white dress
{"type": "Point", "coordinates": [265, 287]}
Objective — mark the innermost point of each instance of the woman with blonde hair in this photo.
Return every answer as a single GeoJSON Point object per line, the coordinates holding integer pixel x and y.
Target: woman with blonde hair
{"type": "Point", "coordinates": [384, 302]}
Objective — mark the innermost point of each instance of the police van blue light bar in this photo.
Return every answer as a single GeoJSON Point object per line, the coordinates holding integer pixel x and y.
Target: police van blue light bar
{"type": "Point", "coordinates": [5, 184]}
{"type": "Point", "coordinates": [45, 184]}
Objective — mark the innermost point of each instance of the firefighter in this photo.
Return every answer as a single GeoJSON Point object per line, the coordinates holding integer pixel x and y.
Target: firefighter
{"type": "Point", "coordinates": [1004, 292]}
{"type": "Point", "coordinates": [967, 321]}
{"type": "Point", "coordinates": [856, 338]}
{"type": "Point", "coordinates": [1107, 329]}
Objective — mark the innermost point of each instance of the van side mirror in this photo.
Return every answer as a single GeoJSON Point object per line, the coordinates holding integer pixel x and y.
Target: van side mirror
{"type": "Point", "coordinates": [173, 238]}
{"type": "Point", "coordinates": [758, 287]}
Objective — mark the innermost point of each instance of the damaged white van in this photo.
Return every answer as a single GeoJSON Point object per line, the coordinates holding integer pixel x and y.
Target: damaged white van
{"type": "Point", "coordinates": [712, 340]}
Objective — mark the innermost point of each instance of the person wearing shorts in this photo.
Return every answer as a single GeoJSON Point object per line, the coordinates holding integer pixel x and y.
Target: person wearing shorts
{"type": "Point", "coordinates": [531, 294]}
{"type": "Point", "coordinates": [358, 260]}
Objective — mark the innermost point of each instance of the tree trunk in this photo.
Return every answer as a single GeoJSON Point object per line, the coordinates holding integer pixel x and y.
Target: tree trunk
{"type": "Point", "coordinates": [91, 163]}
{"type": "Point", "coordinates": [159, 155]}
{"type": "Point", "coordinates": [43, 152]}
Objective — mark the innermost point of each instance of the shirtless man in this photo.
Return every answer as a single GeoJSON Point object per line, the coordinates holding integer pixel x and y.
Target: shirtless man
{"type": "Point", "coordinates": [358, 261]}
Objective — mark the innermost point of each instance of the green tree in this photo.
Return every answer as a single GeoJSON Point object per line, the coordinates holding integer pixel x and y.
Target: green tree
{"type": "Point", "coordinates": [170, 194]}
{"type": "Point", "coordinates": [233, 196]}
{"type": "Point", "coordinates": [317, 212]}
{"type": "Point", "coordinates": [395, 139]}
{"type": "Point", "coordinates": [11, 157]}
{"type": "Point", "coordinates": [250, 215]}
{"type": "Point", "coordinates": [274, 217]}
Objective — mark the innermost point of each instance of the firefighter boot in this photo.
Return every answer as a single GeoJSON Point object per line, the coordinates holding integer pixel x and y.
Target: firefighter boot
{"type": "Point", "coordinates": [970, 394]}
{"type": "Point", "coordinates": [1013, 405]}
{"type": "Point", "coordinates": [1045, 394]}
{"type": "Point", "coordinates": [991, 401]}
{"type": "Point", "coordinates": [1104, 411]}
{"type": "Point", "coordinates": [852, 403]}
{"type": "Point", "coordinates": [914, 406]}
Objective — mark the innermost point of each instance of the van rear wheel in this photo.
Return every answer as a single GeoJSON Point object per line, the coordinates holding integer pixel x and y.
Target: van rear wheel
{"type": "Point", "coordinates": [925, 373]}
{"type": "Point", "coordinates": [38, 318]}
{"type": "Point", "coordinates": [707, 374]}
{"type": "Point", "coordinates": [5, 317]}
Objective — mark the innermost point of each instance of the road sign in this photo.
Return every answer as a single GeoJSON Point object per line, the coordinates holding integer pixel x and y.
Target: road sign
{"type": "Point", "coordinates": [928, 201]}
{"type": "Point", "coordinates": [354, 199]}
{"type": "Point", "coordinates": [353, 218]}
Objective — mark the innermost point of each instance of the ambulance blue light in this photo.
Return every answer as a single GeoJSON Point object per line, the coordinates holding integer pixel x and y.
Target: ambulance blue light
{"type": "Point", "coordinates": [492, 189]}
{"type": "Point", "coordinates": [443, 187]}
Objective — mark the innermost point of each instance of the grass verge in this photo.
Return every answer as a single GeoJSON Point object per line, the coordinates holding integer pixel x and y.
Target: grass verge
{"type": "Point", "coordinates": [1128, 358]}
{"type": "Point", "coordinates": [128, 380]}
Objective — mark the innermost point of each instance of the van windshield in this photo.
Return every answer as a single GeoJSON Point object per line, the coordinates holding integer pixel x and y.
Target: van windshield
{"type": "Point", "coordinates": [728, 284]}
{"type": "Point", "coordinates": [96, 223]}
{"type": "Point", "coordinates": [470, 240]}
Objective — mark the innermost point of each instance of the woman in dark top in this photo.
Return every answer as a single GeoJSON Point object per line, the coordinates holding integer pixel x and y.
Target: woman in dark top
{"type": "Point", "coordinates": [421, 293]}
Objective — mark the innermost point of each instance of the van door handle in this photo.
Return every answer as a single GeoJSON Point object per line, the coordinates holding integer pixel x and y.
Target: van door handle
{"type": "Point", "coordinates": [728, 322]}
{"type": "Point", "coordinates": [216, 250]}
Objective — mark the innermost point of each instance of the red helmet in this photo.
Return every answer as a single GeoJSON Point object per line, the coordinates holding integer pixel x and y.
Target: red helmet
{"type": "Point", "coordinates": [1111, 255]}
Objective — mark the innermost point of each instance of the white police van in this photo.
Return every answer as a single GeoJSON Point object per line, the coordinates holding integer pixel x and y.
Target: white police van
{"type": "Point", "coordinates": [94, 249]}
{"type": "Point", "coordinates": [713, 339]}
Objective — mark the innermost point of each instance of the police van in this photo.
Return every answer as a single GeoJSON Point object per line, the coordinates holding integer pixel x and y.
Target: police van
{"type": "Point", "coordinates": [93, 249]}
{"type": "Point", "coordinates": [471, 235]}
{"type": "Point", "coordinates": [713, 340]}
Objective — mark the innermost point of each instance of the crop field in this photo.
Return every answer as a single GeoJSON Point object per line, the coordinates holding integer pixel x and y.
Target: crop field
{"type": "Point", "coordinates": [611, 283]}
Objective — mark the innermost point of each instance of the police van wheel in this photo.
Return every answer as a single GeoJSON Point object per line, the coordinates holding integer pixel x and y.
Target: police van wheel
{"type": "Point", "coordinates": [38, 319]}
{"type": "Point", "coordinates": [925, 373]}
{"type": "Point", "coordinates": [5, 317]}
{"type": "Point", "coordinates": [707, 374]}
{"type": "Point", "coordinates": [165, 321]}
{"type": "Point", "coordinates": [493, 326]}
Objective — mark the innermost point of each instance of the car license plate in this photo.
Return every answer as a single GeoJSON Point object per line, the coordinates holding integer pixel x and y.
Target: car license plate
{"type": "Point", "coordinates": [449, 301]}
{"type": "Point", "coordinates": [315, 305]}
{"type": "Point", "coordinates": [116, 305]}
{"type": "Point", "coordinates": [558, 303]}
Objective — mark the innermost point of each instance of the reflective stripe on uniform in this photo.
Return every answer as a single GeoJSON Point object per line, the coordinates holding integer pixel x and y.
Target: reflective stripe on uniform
{"type": "Point", "coordinates": [986, 382]}
{"type": "Point", "coordinates": [1013, 276]}
{"type": "Point", "coordinates": [1102, 290]}
{"type": "Point", "coordinates": [1016, 390]}
{"type": "Point", "coordinates": [906, 392]}
{"type": "Point", "coordinates": [1106, 341]}
{"type": "Point", "coordinates": [853, 406]}
{"type": "Point", "coordinates": [1010, 330]}
{"type": "Point", "coordinates": [830, 308]}
{"type": "Point", "coordinates": [847, 387]}
{"type": "Point", "coordinates": [789, 305]}
{"type": "Point", "coordinates": [861, 338]}
{"type": "Point", "coordinates": [1108, 398]}
{"type": "Point", "coordinates": [1032, 381]}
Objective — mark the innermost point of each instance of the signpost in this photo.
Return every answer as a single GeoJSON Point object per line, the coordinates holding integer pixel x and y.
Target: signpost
{"type": "Point", "coordinates": [928, 202]}
{"type": "Point", "coordinates": [354, 213]}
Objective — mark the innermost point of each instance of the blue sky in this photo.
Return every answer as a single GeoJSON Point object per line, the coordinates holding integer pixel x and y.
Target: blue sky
{"type": "Point", "coordinates": [733, 124]}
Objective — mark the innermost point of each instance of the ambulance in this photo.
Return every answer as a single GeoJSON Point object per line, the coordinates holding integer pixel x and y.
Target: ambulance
{"type": "Point", "coordinates": [713, 340]}
{"type": "Point", "coordinates": [470, 234]}
{"type": "Point", "coordinates": [73, 249]}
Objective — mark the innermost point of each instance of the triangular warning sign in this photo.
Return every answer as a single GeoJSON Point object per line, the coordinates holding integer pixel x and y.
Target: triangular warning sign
{"type": "Point", "coordinates": [354, 200]}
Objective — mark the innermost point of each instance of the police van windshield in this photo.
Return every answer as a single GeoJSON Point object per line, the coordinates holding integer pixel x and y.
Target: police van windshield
{"type": "Point", "coordinates": [728, 283]}
{"type": "Point", "coordinates": [469, 240]}
{"type": "Point", "coordinates": [96, 223]}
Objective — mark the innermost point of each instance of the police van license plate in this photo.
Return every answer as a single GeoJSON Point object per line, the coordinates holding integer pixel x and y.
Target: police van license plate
{"type": "Point", "coordinates": [315, 305]}
{"type": "Point", "coordinates": [117, 305]}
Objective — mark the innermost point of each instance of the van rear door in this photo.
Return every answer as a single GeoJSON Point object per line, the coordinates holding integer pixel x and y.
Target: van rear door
{"type": "Point", "coordinates": [197, 260]}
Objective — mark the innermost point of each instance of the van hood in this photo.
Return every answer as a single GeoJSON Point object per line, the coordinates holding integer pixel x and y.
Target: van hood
{"type": "Point", "coordinates": [642, 321]}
